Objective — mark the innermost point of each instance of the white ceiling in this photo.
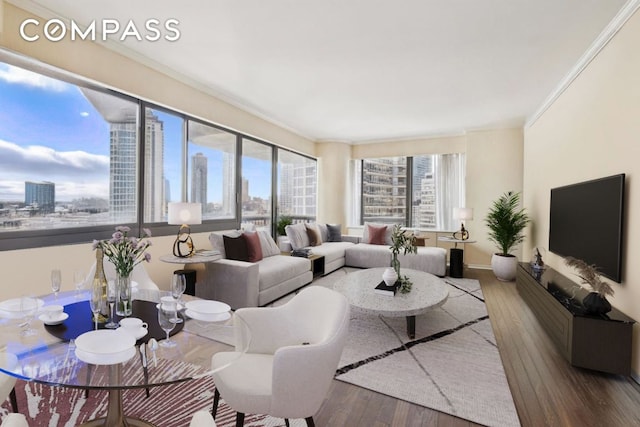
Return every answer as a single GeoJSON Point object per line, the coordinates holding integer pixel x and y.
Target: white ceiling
{"type": "Point", "coordinates": [365, 70]}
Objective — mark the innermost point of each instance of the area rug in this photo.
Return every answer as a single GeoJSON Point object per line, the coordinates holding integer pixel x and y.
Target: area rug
{"type": "Point", "coordinates": [167, 406]}
{"type": "Point", "coordinates": [452, 365]}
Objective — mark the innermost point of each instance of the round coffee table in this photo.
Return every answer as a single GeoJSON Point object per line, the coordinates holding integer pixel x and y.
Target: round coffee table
{"type": "Point", "coordinates": [428, 291]}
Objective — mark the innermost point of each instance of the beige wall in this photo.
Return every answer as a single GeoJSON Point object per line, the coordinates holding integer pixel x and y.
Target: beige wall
{"type": "Point", "coordinates": [591, 131]}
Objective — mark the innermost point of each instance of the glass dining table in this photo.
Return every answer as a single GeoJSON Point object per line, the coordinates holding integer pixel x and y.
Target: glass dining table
{"type": "Point", "coordinates": [48, 356]}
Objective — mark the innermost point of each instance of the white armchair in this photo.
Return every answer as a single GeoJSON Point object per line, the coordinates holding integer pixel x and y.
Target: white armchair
{"type": "Point", "coordinates": [291, 357]}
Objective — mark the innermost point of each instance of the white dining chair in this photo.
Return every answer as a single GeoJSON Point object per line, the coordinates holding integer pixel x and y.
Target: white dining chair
{"type": "Point", "coordinates": [285, 357]}
{"type": "Point", "coordinates": [202, 419]}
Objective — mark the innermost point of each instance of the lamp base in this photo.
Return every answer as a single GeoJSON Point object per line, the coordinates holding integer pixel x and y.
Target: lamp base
{"type": "Point", "coordinates": [462, 234]}
{"type": "Point", "coordinates": [183, 245]}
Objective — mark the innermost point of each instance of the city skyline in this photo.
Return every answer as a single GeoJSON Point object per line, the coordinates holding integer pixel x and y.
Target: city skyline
{"type": "Point", "coordinates": [59, 136]}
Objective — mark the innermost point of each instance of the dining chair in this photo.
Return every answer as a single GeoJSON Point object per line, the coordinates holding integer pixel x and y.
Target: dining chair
{"type": "Point", "coordinates": [15, 420]}
{"type": "Point", "coordinates": [138, 275]}
{"type": "Point", "coordinates": [7, 382]}
{"type": "Point", "coordinates": [285, 357]}
{"type": "Point", "coordinates": [202, 419]}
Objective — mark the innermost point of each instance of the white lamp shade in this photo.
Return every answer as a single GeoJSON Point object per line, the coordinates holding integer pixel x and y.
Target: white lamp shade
{"type": "Point", "coordinates": [462, 213]}
{"type": "Point", "coordinates": [184, 213]}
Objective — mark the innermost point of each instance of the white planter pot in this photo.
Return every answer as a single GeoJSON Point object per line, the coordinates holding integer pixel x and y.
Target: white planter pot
{"type": "Point", "coordinates": [504, 267]}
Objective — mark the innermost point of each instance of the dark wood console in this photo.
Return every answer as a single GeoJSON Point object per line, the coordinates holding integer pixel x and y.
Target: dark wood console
{"type": "Point", "coordinates": [599, 342]}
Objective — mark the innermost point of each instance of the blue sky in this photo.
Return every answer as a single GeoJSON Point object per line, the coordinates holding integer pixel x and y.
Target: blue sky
{"type": "Point", "coordinates": [49, 131]}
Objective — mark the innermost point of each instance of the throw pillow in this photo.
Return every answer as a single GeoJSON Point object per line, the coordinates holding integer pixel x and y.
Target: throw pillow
{"type": "Point", "coordinates": [334, 233]}
{"type": "Point", "coordinates": [236, 248]}
{"type": "Point", "coordinates": [376, 234]}
{"type": "Point", "coordinates": [297, 234]}
{"type": "Point", "coordinates": [269, 246]}
{"type": "Point", "coordinates": [324, 232]}
{"type": "Point", "coordinates": [387, 236]}
{"type": "Point", "coordinates": [314, 235]}
{"type": "Point", "coordinates": [217, 241]}
{"type": "Point", "coordinates": [254, 250]}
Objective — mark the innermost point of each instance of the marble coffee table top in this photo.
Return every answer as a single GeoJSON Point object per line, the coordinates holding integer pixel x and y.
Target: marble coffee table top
{"type": "Point", "coordinates": [428, 292]}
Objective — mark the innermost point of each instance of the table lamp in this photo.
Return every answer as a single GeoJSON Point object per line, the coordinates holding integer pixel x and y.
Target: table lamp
{"type": "Point", "coordinates": [184, 215]}
{"type": "Point", "coordinates": [462, 214]}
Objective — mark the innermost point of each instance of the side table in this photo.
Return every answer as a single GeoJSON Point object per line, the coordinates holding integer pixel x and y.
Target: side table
{"type": "Point", "coordinates": [456, 256]}
{"type": "Point", "coordinates": [196, 258]}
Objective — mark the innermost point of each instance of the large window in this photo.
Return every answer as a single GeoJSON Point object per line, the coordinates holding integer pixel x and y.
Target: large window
{"type": "Point", "coordinates": [257, 168]}
{"type": "Point", "coordinates": [418, 191]}
{"type": "Point", "coordinates": [77, 159]}
{"type": "Point", "coordinates": [68, 154]}
{"type": "Point", "coordinates": [297, 186]}
{"type": "Point", "coordinates": [212, 170]}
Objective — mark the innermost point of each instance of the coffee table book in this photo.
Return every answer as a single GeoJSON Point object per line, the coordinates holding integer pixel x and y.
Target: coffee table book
{"type": "Point", "coordinates": [383, 289]}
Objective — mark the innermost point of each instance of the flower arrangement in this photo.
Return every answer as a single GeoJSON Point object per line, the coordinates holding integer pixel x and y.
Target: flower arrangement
{"type": "Point", "coordinates": [123, 251]}
{"type": "Point", "coordinates": [405, 243]}
{"type": "Point", "coordinates": [590, 276]}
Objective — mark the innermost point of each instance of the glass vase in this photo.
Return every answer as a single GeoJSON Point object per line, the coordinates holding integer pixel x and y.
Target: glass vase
{"type": "Point", "coordinates": [123, 297]}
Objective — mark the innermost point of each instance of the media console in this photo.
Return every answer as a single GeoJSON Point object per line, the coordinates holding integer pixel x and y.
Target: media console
{"type": "Point", "coordinates": [598, 342]}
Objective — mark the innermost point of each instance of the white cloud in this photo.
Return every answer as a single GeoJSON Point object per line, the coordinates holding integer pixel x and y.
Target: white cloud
{"type": "Point", "coordinates": [17, 75]}
{"type": "Point", "coordinates": [76, 173]}
{"type": "Point", "coordinates": [84, 114]}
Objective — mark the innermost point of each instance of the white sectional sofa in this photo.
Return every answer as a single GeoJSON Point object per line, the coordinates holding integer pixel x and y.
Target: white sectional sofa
{"type": "Point", "coordinates": [252, 284]}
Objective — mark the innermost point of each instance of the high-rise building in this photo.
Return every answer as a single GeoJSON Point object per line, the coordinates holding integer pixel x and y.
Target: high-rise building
{"type": "Point", "coordinates": [384, 189]}
{"type": "Point", "coordinates": [122, 117]}
{"type": "Point", "coordinates": [199, 179]}
{"type": "Point", "coordinates": [40, 195]}
{"type": "Point", "coordinates": [297, 189]}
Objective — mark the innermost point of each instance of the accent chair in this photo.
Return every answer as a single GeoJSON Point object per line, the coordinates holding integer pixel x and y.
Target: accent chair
{"type": "Point", "coordinates": [285, 357]}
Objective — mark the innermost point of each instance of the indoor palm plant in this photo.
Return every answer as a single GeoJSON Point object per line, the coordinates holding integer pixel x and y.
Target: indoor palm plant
{"type": "Point", "coordinates": [506, 223]}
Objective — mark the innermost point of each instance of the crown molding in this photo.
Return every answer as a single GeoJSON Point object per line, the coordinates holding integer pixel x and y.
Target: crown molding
{"type": "Point", "coordinates": [603, 39]}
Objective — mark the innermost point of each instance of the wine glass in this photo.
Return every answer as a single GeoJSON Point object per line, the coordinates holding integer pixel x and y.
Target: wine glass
{"type": "Point", "coordinates": [166, 318]}
{"type": "Point", "coordinates": [178, 286]}
{"type": "Point", "coordinates": [56, 281]}
{"type": "Point", "coordinates": [95, 303]}
{"type": "Point", "coordinates": [28, 308]}
{"type": "Point", "coordinates": [111, 300]}
{"type": "Point", "coordinates": [78, 280]}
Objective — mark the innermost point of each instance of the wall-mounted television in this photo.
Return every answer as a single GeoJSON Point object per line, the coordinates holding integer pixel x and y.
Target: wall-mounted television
{"type": "Point", "coordinates": [586, 223]}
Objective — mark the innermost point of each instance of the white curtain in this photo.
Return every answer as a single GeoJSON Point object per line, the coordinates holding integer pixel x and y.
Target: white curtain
{"type": "Point", "coordinates": [449, 170]}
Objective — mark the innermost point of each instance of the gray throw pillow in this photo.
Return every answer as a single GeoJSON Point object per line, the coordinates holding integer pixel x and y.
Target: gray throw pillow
{"type": "Point", "coordinates": [334, 232]}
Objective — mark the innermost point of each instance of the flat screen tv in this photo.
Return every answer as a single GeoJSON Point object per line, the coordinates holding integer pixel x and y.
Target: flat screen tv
{"type": "Point", "coordinates": [586, 223]}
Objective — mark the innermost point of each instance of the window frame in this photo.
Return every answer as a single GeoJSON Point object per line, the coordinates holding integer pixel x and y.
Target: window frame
{"type": "Point", "coordinates": [26, 239]}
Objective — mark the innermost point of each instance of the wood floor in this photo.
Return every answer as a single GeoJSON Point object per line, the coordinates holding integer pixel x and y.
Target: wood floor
{"type": "Point", "coordinates": [546, 389]}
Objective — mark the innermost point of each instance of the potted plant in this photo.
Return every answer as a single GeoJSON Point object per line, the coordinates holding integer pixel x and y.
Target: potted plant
{"type": "Point", "coordinates": [506, 224]}
{"type": "Point", "coordinates": [595, 302]}
{"type": "Point", "coordinates": [283, 241]}
{"type": "Point", "coordinates": [405, 243]}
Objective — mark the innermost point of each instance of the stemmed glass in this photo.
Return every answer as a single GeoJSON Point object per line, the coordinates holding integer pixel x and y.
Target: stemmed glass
{"type": "Point", "coordinates": [166, 318]}
{"type": "Point", "coordinates": [178, 286]}
{"type": "Point", "coordinates": [78, 280]}
{"type": "Point", "coordinates": [95, 302]}
{"type": "Point", "coordinates": [111, 300]}
{"type": "Point", "coordinates": [28, 308]}
{"type": "Point", "coordinates": [56, 281]}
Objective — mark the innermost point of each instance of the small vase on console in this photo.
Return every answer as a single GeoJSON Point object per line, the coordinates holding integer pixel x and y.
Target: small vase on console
{"type": "Point", "coordinates": [595, 303]}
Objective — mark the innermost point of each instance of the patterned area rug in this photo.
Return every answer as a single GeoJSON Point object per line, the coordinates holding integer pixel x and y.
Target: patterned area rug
{"type": "Point", "coordinates": [452, 365]}
{"type": "Point", "coordinates": [167, 406]}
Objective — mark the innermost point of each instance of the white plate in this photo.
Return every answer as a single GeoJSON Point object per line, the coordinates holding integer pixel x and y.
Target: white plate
{"type": "Point", "coordinates": [105, 341]}
{"type": "Point", "coordinates": [207, 307]}
{"type": "Point", "coordinates": [219, 317]}
{"type": "Point", "coordinates": [53, 321]}
{"type": "Point", "coordinates": [139, 334]}
{"type": "Point", "coordinates": [106, 359]}
{"type": "Point", "coordinates": [11, 308]}
{"type": "Point", "coordinates": [180, 307]}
